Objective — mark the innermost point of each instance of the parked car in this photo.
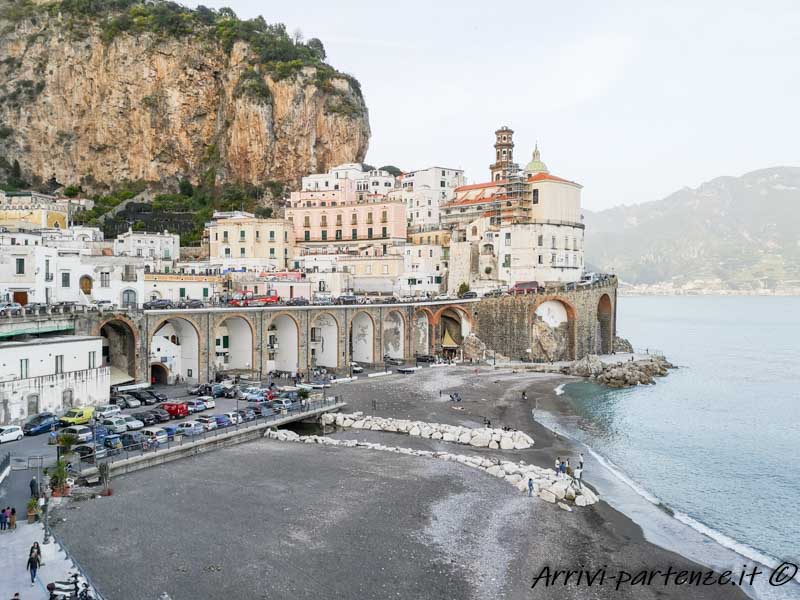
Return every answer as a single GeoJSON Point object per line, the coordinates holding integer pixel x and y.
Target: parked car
{"type": "Point", "coordinates": [132, 440]}
{"type": "Point", "coordinates": [347, 299]}
{"type": "Point", "coordinates": [443, 297]}
{"type": "Point", "coordinates": [208, 422]}
{"type": "Point", "coordinates": [263, 301]}
{"type": "Point", "coordinates": [176, 410]}
{"type": "Point", "coordinates": [41, 423]}
{"type": "Point", "coordinates": [281, 404]}
{"type": "Point", "coordinates": [125, 401]}
{"type": "Point", "coordinates": [159, 304]}
{"type": "Point", "coordinates": [78, 415]}
{"type": "Point", "coordinates": [192, 303]}
{"type": "Point", "coordinates": [10, 433]}
{"type": "Point", "coordinates": [202, 389]}
{"type": "Point", "coordinates": [190, 428]}
{"type": "Point", "coordinates": [233, 392]}
{"type": "Point", "coordinates": [262, 409]}
{"type": "Point", "coordinates": [356, 368]}
{"type": "Point", "coordinates": [234, 417]}
{"type": "Point", "coordinates": [106, 411]}
{"type": "Point", "coordinates": [493, 294]}
{"type": "Point", "coordinates": [157, 395]}
{"type": "Point", "coordinates": [247, 414]}
{"type": "Point", "coordinates": [425, 358]}
{"type": "Point", "coordinates": [253, 394]}
{"type": "Point", "coordinates": [113, 444]}
{"type": "Point", "coordinates": [132, 422]}
{"type": "Point", "coordinates": [223, 420]}
{"type": "Point", "coordinates": [90, 453]}
{"type": "Point", "coordinates": [171, 430]}
{"type": "Point", "coordinates": [323, 300]}
{"type": "Point", "coordinates": [143, 397]}
{"type": "Point", "coordinates": [10, 308]}
{"type": "Point", "coordinates": [195, 406]}
{"type": "Point", "coordinates": [299, 301]}
{"type": "Point", "coordinates": [102, 305]}
{"type": "Point", "coordinates": [389, 360]}
{"type": "Point", "coordinates": [156, 434]}
{"type": "Point", "coordinates": [161, 415]}
{"type": "Point", "coordinates": [115, 424]}
{"type": "Point", "coordinates": [145, 417]}
{"type": "Point", "coordinates": [524, 287]}
{"type": "Point", "coordinates": [469, 295]}
{"type": "Point", "coordinates": [81, 432]}
{"type": "Point", "coordinates": [208, 401]}
{"type": "Point", "coordinates": [100, 433]}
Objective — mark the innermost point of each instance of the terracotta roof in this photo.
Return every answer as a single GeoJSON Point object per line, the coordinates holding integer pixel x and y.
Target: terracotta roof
{"type": "Point", "coordinates": [477, 186]}
{"type": "Point", "coordinates": [548, 177]}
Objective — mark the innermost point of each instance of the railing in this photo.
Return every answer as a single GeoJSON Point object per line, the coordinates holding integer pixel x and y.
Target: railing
{"type": "Point", "coordinates": [77, 566]}
{"type": "Point", "coordinates": [179, 440]}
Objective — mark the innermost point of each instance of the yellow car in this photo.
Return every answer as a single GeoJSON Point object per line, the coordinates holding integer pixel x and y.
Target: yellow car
{"type": "Point", "coordinates": [78, 416]}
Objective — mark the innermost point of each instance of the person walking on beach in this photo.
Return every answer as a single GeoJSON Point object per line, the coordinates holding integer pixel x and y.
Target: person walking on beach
{"type": "Point", "coordinates": [33, 565]}
{"type": "Point", "coordinates": [530, 487]}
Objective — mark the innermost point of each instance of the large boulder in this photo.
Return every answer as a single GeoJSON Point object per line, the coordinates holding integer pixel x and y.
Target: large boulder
{"type": "Point", "coordinates": [481, 440]}
{"type": "Point", "coordinates": [506, 443]}
{"type": "Point", "coordinates": [415, 431]}
{"type": "Point", "coordinates": [547, 496]}
{"type": "Point", "coordinates": [588, 366]}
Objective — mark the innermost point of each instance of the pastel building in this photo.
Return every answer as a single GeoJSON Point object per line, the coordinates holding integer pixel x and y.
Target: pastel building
{"type": "Point", "coordinates": [240, 241]}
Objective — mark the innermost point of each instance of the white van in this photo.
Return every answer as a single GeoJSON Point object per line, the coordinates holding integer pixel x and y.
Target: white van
{"type": "Point", "coordinates": [155, 434]}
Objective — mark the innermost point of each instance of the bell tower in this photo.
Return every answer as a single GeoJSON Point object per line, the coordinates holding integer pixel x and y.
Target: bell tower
{"type": "Point", "coordinates": [504, 153]}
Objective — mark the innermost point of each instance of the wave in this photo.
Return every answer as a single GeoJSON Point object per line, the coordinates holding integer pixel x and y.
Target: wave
{"type": "Point", "coordinates": [723, 540]}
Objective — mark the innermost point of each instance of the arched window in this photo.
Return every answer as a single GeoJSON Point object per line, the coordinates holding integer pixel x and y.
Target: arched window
{"type": "Point", "coordinates": [474, 230]}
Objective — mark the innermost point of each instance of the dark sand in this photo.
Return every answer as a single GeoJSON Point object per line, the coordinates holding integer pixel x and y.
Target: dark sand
{"type": "Point", "coordinates": [281, 520]}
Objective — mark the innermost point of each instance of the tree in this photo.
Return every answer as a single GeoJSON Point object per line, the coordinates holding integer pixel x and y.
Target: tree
{"type": "Point", "coordinates": [392, 169]}
{"type": "Point", "coordinates": [315, 45]}
{"type": "Point", "coordinates": [264, 212]}
{"type": "Point", "coordinates": [71, 191]}
{"type": "Point", "coordinates": [185, 187]}
{"type": "Point", "coordinates": [367, 167]}
{"type": "Point", "coordinates": [463, 288]}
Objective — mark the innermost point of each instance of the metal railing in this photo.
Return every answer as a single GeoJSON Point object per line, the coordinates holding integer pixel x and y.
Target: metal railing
{"type": "Point", "coordinates": [297, 410]}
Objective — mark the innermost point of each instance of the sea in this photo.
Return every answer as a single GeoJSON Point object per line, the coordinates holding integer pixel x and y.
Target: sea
{"type": "Point", "coordinates": [707, 461]}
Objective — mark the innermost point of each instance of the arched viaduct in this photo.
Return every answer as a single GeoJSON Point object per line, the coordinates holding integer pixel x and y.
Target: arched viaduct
{"type": "Point", "coordinates": [193, 345]}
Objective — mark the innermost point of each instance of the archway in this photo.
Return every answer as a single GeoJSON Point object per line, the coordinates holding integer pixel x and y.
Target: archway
{"type": "Point", "coordinates": [283, 346]}
{"type": "Point", "coordinates": [85, 283]}
{"type": "Point", "coordinates": [234, 345]}
{"type": "Point", "coordinates": [159, 374]}
{"type": "Point", "coordinates": [553, 331]}
{"type": "Point", "coordinates": [394, 335]}
{"type": "Point", "coordinates": [605, 325]}
{"type": "Point", "coordinates": [454, 327]}
{"type": "Point", "coordinates": [421, 332]}
{"type": "Point", "coordinates": [176, 345]}
{"type": "Point", "coordinates": [324, 344]}
{"type": "Point", "coordinates": [362, 338]}
{"type": "Point", "coordinates": [119, 350]}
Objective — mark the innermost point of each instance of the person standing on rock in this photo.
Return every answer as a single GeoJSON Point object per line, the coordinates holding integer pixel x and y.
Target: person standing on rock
{"type": "Point", "coordinates": [530, 487]}
{"type": "Point", "coordinates": [558, 465]}
{"type": "Point", "coordinates": [577, 475]}
{"type": "Point", "coordinates": [563, 470]}
{"type": "Point", "coordinates": [580, 460]}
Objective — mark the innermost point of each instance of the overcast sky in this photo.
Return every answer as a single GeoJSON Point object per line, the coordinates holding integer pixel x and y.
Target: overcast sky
{"type": "Point", "coordinates": [634, 100]}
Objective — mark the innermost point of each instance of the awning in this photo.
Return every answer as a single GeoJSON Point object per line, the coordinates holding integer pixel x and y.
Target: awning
{"type": "Point", "coordinates": [448, 341]}
{"type": "Point", "coordinates": [118, 376]}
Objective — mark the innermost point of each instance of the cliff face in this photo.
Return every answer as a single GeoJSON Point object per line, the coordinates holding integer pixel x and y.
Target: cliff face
{"type": "Point", "coordinates": [141, 107]}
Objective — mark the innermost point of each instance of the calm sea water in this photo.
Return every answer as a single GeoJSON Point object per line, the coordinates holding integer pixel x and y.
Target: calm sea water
{"type": "Point", "coordinates": [716, 441]}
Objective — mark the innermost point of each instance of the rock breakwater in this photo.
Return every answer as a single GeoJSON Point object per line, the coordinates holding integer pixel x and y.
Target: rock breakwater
{"type": "Point", "coordinates": [620, 374]}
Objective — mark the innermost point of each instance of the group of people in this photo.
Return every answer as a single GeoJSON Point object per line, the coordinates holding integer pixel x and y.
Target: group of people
{"type": "Point", "coordinates": [8, 519]}
{"type": "Point", "coordinates": [564, 469]}
{"type": "Point", "coordinates": [34, 561]}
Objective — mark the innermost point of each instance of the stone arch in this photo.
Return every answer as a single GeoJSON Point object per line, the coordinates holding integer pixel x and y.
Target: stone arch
{"type": "Point", "coordinates": [283, 343]}
{"type": "Point", "coordinates": [362, 337]}
{"type": "Point", "coordinates": [394, 334]}
{"type": "Point", "coordinates": [453, 324]}
{"type": "Point", "coordinates": [421, 331]}
{"type": "Point", "coordinates": [159, 374]}
{"type": "Point", "coordinates": [120, 343]}
{"type": "Point", "coordinates": [553, 329]}
{"type": "Point", "coordinates": [605, 318]}
{"type": "Point", "coordinates": [234, 343]}
{"type": "Point", "coordinates": [324, 341]}
{"type": "Point", "coordinates": [181, 357]}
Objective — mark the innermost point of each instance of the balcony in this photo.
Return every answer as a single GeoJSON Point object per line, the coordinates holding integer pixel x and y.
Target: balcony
{"type": "Point", "coordinates": [129, 277]}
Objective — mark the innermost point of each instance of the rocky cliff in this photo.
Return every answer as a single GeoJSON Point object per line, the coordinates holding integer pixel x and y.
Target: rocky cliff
{"type": "Point", "coordinates": [95, 99]}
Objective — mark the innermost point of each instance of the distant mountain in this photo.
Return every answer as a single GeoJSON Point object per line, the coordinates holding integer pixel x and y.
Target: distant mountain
{"type": "Point", "coordinates": [731, 233]}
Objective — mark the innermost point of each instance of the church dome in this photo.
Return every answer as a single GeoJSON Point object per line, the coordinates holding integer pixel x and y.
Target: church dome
{"type": "Point", "coordinates": [536, 165]}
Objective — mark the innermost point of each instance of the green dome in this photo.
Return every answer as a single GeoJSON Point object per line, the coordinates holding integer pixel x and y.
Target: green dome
{"type": "Point", "coordinates": [536, 165]}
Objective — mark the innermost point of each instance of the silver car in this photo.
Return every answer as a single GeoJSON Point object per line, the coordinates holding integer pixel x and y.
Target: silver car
{"type": "Point", "coordinates": [115, 424]}
{"type": "Point", "coordinates": [132, 423]}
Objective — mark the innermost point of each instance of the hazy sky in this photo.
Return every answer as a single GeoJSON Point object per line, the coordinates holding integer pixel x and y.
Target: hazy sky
{"type": "Point", "coordinates": [633, 100]}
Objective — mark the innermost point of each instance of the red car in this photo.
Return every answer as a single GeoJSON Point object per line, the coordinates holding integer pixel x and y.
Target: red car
{"type": "Point", "coordinates": [176, 410]}
{"type": "Point", "coordinates": [262, 301]}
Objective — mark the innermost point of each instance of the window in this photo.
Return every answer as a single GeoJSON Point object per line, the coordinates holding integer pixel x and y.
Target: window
{"type": "Point", "coordinates": [23, 368]}
{"type": "Point", "coordinates": [338, 220]}
{"type": "Point", "coordinates": [188, 372]}
{"type": "Point", "coordinates": [227, 252]}
{"type": "Point", "coordinates": [272, 252]}
{"type": "Point", "coordinates": [541, 241]}
{"type": "Point", "coordinates": [384, 232]}
{"type": "Point", "coordinates": [508, 239]}
{"type": "Point", "coordinates": [225, 236]}
{"type": "Point", "coordinates": [541, 259]}
{"type": "Point", "coordinates": [354, 219]}
{"type": "Point", "coordinates": [241, 235]}
{"type": "Point", "coordinates": [65, 279]}
{"type": "Point", "coordinates": [306, 236]}
{"type": "Point", "coordinates": [20, 266]}
{"type": "Point", "coordinates": [384, 217]}
{"type": "Point", "coordinates": [536, 196]}
{"type": "Point", "coordinates": [138, 252]}
{"type": "Point", "coordinates": [442, 183]}
{"type": "Point", "coordinates": [92, 359]}
{"type": "Point", "coordinates": [205, 292]}
{"type": "Point", "coordinates": [225, 341]}
{"type": "Point", "coordinates": [369, 233]}
{"type": "Point", "coordinates": [324, 235]}
{"type": "Point", "coordinates": [105, 279]}
{"type": "Point", "coordinates": [338, 234]}
{"type": "Point", "coordinates": [323, 222]}
{"type": "Point", "coordinates": [507, 261]}
{"type": "Point", "coordinates": [385, 269]}
{"type": "Point", "coordinates": [258, 235]}
{"type": "Point", "coordinates": [166, 253]}
{"type": "Point", "coordinates": [369, 218]}
{"type": "Point", "coordinates": [553, 242]}
{"type": "Point", "coordinates": [355, 234]}
{"type": "Point", "coordinates": [369, 269]}
{"type": "Point", "coordinates": [241, 252]}
{"type": "Point", "coordinates": [59, 364]}
{"type": "Point", "coordinates": [182, 292]}
{"type": "Point", "coordinates": [271, 236]}
{"type": "Point", "coordinates": [306, 221]}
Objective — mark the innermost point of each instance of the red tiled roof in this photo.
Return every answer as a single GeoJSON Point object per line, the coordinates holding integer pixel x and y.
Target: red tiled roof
{"type": "Point", "coordinates": [477, 186]}
{"type": "Point", "coordinates": [548, 177]}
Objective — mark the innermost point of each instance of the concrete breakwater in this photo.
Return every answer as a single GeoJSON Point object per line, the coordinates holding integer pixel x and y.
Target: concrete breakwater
{"type": "Point", "coordinates": [620, 374]}
{"type": "Point", "coordinates": [484, 437]}
{"type": "Point", "coordinates": [547, 485]}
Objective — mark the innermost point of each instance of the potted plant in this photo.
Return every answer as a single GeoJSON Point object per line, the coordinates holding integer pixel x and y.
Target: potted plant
{"type": "Point", "coordinates": [58, 479]}
{"type": "Point", "coordinates": [33, 510]}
